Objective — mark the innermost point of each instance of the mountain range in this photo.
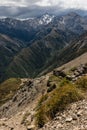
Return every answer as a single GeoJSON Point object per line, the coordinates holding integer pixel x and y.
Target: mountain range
{"type": "Point", "coordinates": [32, 47]}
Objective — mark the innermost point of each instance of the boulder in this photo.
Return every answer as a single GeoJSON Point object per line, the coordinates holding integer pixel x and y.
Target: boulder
{"type": "Point", "coordinates": [59, 73]}
{"type": "Point", "coordinates": [69, 119]}
{"type": "Point", "coordinates": [31, 127]}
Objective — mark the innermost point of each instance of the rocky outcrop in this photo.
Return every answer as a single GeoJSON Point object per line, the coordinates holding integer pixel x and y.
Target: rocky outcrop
{"type": "Point", "coordinates": [30, 90]}
{"type": "Point", "coordinates": [75, 73]}
{"type": "Point", "coordinates": [79, 71]}
{"type": "Point", "coordinates": [59, 73]}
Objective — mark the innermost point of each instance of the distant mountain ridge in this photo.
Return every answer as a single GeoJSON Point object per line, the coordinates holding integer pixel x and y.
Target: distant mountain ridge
{"type": "Point", "coordinates": [27, 29]}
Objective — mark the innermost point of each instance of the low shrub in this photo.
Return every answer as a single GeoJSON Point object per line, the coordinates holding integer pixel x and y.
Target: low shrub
{"type": "Point", "coordinates": [57, 101]}
{"type": "Point", "coordinates": [51, 88]}
{"type": "Point", "coordinates": [73, 69]}
{"type": "Point", "coordinates": [64, 81]}
{"type": "Point", "coordinates": [41, 118]}
{"type": "Point", "coordinates": [54, 78]}
{"type": "Point", "coordinates": [81, 83]}
{"type": "Point", "coordinates": [42, 99]}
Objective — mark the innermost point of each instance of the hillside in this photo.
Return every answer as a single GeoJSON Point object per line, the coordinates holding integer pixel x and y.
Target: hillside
{"type": "Point", "coordinates": [32, 94]}
{"type": "Point", "coordinates": [8, 49]}
{"type": "Point", "coordinates": [53, 49]}
{"type": "Point", "coordinates": [74, 50]}
{"type": "Point", "coordinates": [35, 58]}
{"type": "Point", "coordinates": [8, 89]}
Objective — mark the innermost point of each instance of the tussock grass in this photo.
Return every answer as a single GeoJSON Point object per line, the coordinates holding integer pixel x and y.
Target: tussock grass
{"type": "Point", "coordinates": [57, 101]}
{"type": "Point", "coordinates": [8, 88]}
{"type": "Point", "coordinates": [81, 83]}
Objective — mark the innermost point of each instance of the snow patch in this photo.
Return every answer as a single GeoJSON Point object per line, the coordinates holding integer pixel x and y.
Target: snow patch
{"type": "Point", "coordinates": [62, 21]}
{"type": "Point", "coordinates": [46, 19]}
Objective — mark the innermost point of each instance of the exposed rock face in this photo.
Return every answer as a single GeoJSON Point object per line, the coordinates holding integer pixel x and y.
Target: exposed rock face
{"type": "Point", "coordinates": [76, 72]}
{"type": "Point", "coordinates": [73, 118]}
{"type": "Point", "coordinates": [59, 73]}
{"type": "Point", "coordinates": [31, 89]}
{"type": "Point", "coordinates": [82, 69]}
{"type": "Point", "coordinates": [79, 71]}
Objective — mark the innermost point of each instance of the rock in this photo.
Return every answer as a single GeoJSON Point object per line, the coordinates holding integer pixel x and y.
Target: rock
{"type": "Point", "coordinates": [73, 76]}
{"type": "Point", "coordinates": [82, 127]}
{"type": "Point", "coordinates": [76, 128]}
{"type": "Point", "coordinates": [31, 127]}
{"type": "Point", "coordinates": [86, 126]}
{"type": "Point", "coordinates": [79, 113]}
{"type": "Point", "coordinates": [51, 88]}
{"type": "Point", "coordinates": [14, 98]}
{"type": "Point", "coordinates": [76, 73]}
{"type": "Point", "coordinates": [74, 117]}
{"type": "Point", "coordinates": [11, 128]}
{"type": "Point", "coordinates": [59, 73]}
{"type": "Point", "coordinates": [63, 115]}
{"type": "Point", "coordinates": [86, 108]}
{"type": "Point", "coordinates": [48, 83]}
{"type": "Point", "coordinates": [59, 126]}
{"type": "Point", "coordinates": [4, 119]}
{"type": "Point", "coordinates": [69, 119]}
{"type": "Point", "coordinates": [29, 83]}
{"type": "Point", "coordinates": [68, 77]}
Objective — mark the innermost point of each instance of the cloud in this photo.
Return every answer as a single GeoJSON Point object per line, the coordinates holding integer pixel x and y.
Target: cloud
{"type": "Point", "coordinates": [31, 8]}
{"type": "Point", "coordinates": [82, 4]}
{"type": "Point", "coordinates": [25, 12]}
{"type": "Point", "coordinates": [20, 3]}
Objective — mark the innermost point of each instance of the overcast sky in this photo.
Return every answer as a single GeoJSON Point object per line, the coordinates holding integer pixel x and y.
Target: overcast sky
{"type": "Point", "coordinates": [30, 7]}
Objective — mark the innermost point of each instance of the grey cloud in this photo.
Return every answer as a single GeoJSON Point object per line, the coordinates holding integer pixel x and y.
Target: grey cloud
{"type": "Point", "coordinates": [33, 10]}
{"type": "Point", "coordinates": [25, 12]}
{"type": "Point", "coordinates": [18, 2]}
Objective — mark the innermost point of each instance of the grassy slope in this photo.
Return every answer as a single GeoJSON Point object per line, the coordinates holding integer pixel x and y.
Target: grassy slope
{"type": "Point", "coordinates": [8, 88]}
{"type": "Point", "coordinates": [71, 52]}
{"type": "Point", "coordinates": [58, 99]}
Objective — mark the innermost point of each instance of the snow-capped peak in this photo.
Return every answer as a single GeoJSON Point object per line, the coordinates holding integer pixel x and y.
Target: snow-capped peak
{"type": "Point", "coordinates": [46, 19]}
